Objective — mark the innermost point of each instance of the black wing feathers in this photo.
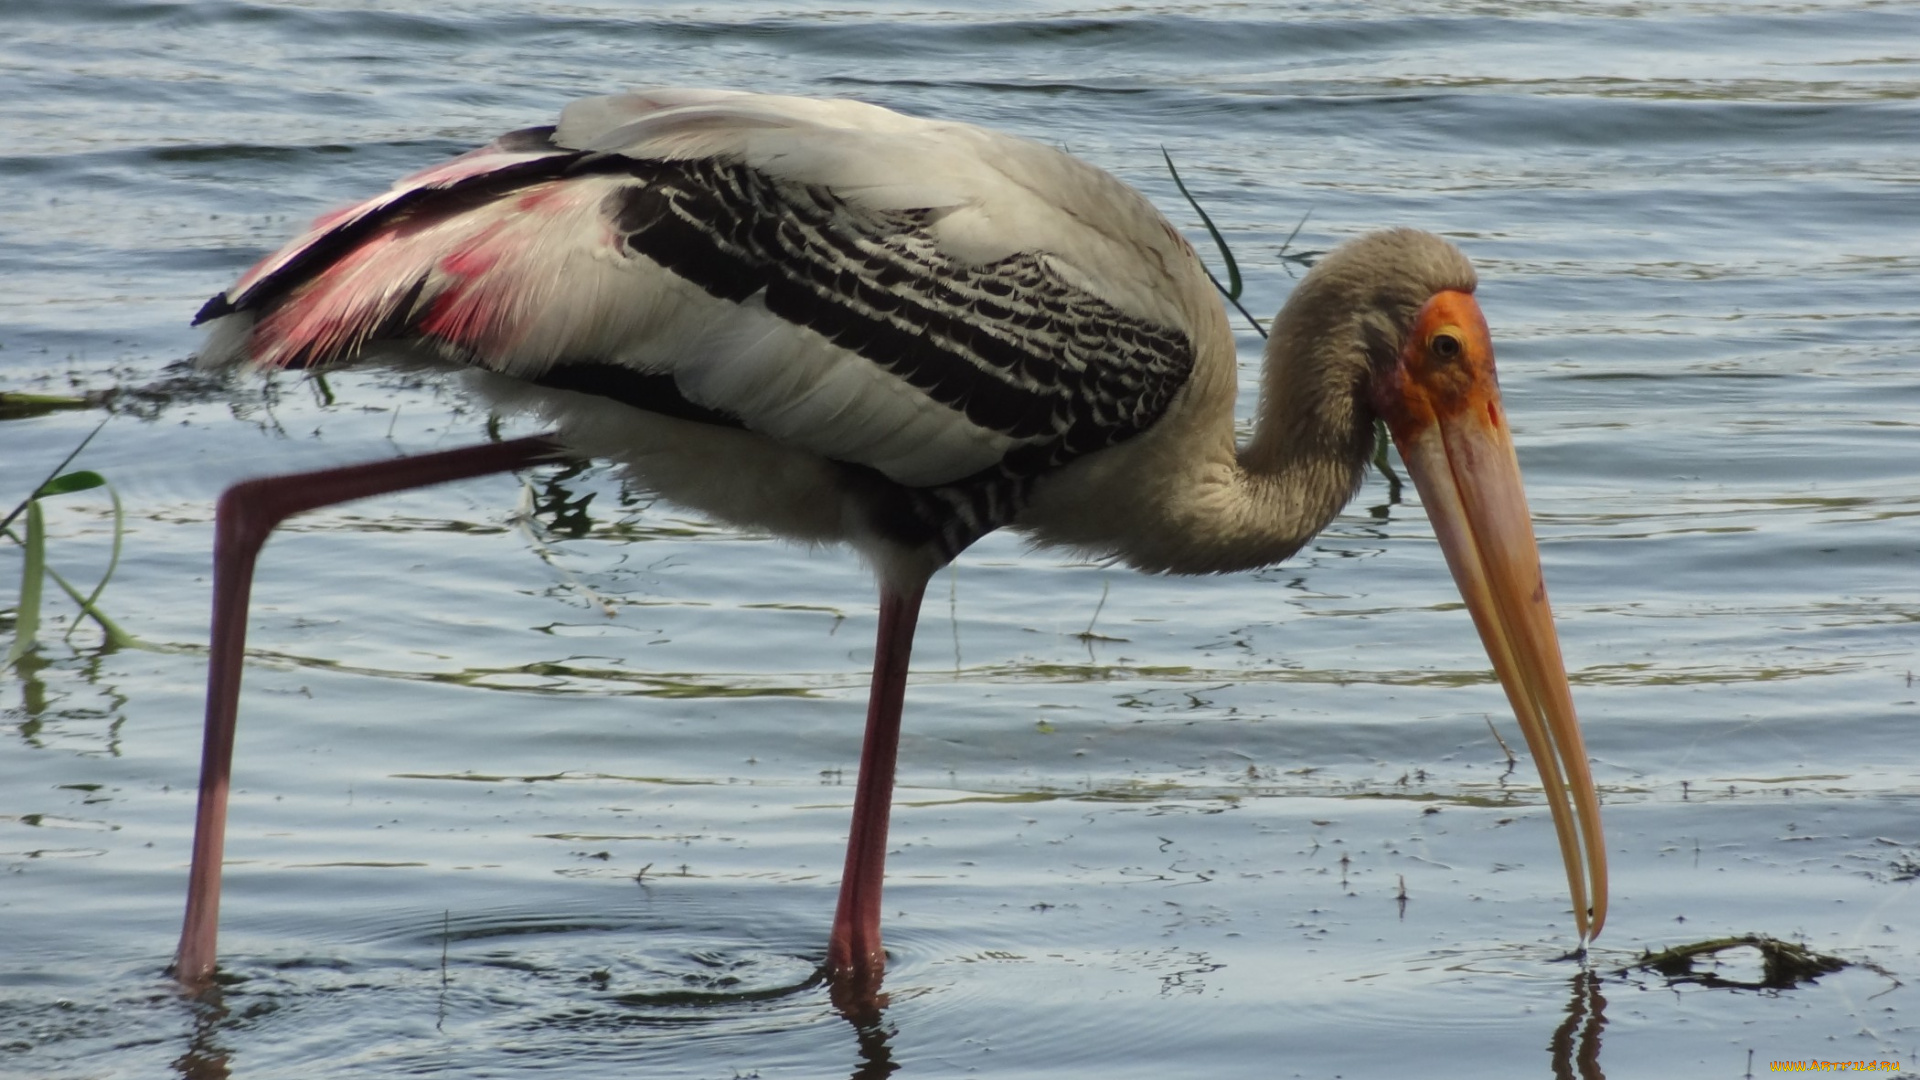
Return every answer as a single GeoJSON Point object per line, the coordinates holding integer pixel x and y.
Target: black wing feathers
{"type": "Point", "coordinates": [1009, 344]}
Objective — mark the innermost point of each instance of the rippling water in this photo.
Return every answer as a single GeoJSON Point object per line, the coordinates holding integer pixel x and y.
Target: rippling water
{"type": "Point", "coordinates": [483, 828]}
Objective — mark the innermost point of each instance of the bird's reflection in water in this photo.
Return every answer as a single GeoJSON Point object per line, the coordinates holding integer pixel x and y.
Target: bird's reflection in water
{"type": "Point", "coordinates": [205, 1058]}
{"type": "Point", "coordinates": [865, 1011]}
{"type": "Point", "coordinates": [1576, 1043]}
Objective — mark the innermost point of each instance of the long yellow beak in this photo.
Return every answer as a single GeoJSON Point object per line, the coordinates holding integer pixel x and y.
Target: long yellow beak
{"type": "Point", "coordinates": [1443, 407]}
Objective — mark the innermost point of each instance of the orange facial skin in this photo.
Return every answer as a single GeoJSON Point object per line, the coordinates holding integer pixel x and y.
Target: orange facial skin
{"type": "Point", "coordinates": [1446, 368]}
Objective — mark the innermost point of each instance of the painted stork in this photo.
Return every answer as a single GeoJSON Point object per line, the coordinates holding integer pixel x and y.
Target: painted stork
{"type": "Point", "coordinates": [845, 325]}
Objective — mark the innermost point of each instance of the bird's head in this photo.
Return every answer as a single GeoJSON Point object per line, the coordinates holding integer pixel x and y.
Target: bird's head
{"type": "Point", "coordinates": [1424, 365]}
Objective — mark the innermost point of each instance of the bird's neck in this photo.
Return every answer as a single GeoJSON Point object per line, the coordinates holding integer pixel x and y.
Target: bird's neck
{"type": "Point", "coordinates": [1290, 480]}
{"type": "Point", "coordinates": [1313, 428]}
{"type": "Point", "coordinates": [1184, 499]}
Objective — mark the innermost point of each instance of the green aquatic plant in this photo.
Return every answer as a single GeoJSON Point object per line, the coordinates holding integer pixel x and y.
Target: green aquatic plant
{"type": "Point", "coordinates": [16, 405]}
{"type": "Point", "coordinates": [1232, 289]}
{"type": "Point", "coordinates": [34, 571]}
{"type": "Point", "coordinates": [26, 611]}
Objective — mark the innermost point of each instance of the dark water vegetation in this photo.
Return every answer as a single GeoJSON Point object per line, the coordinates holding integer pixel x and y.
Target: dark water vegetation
{"type": "Point", "coordinates": [538, 776]}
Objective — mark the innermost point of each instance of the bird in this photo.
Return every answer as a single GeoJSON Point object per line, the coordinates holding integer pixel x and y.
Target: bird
{"type": "Point", "coordinates": [850, 326]}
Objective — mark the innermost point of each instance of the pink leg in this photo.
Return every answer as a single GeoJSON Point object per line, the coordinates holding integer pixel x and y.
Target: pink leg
{"type": "Point", "coordinates": [247, 513]}
{"type": "Point", "coordinates": [855, 959]}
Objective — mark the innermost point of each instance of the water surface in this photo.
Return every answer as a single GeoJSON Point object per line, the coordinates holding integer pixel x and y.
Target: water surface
{"type": "Point", "coordinates": [537, 777]}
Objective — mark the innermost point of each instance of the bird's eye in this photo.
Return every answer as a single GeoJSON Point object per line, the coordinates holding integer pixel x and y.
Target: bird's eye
{"type": "Point", "coordinates": [1445, 346]}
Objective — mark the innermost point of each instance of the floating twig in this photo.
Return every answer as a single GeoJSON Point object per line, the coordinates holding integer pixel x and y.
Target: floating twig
{"type": "Point", "coordinates": [1503, 743]}
{"type": "Point", "coordinates": [1088, 635]}
{"type": "Point", "coordinates": [1784, 964]}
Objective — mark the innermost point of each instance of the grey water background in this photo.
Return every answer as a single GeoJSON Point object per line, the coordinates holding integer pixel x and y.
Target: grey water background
{"type": "Point", "coordinates": [537, 777]}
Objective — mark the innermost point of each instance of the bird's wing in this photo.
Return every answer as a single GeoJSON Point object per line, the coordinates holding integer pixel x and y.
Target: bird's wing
{"type": "Point", "coordinates": [926, 299]}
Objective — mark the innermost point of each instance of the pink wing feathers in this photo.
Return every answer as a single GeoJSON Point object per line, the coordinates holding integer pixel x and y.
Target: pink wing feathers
{"type": "Point", "coordinates": [427, 257]}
